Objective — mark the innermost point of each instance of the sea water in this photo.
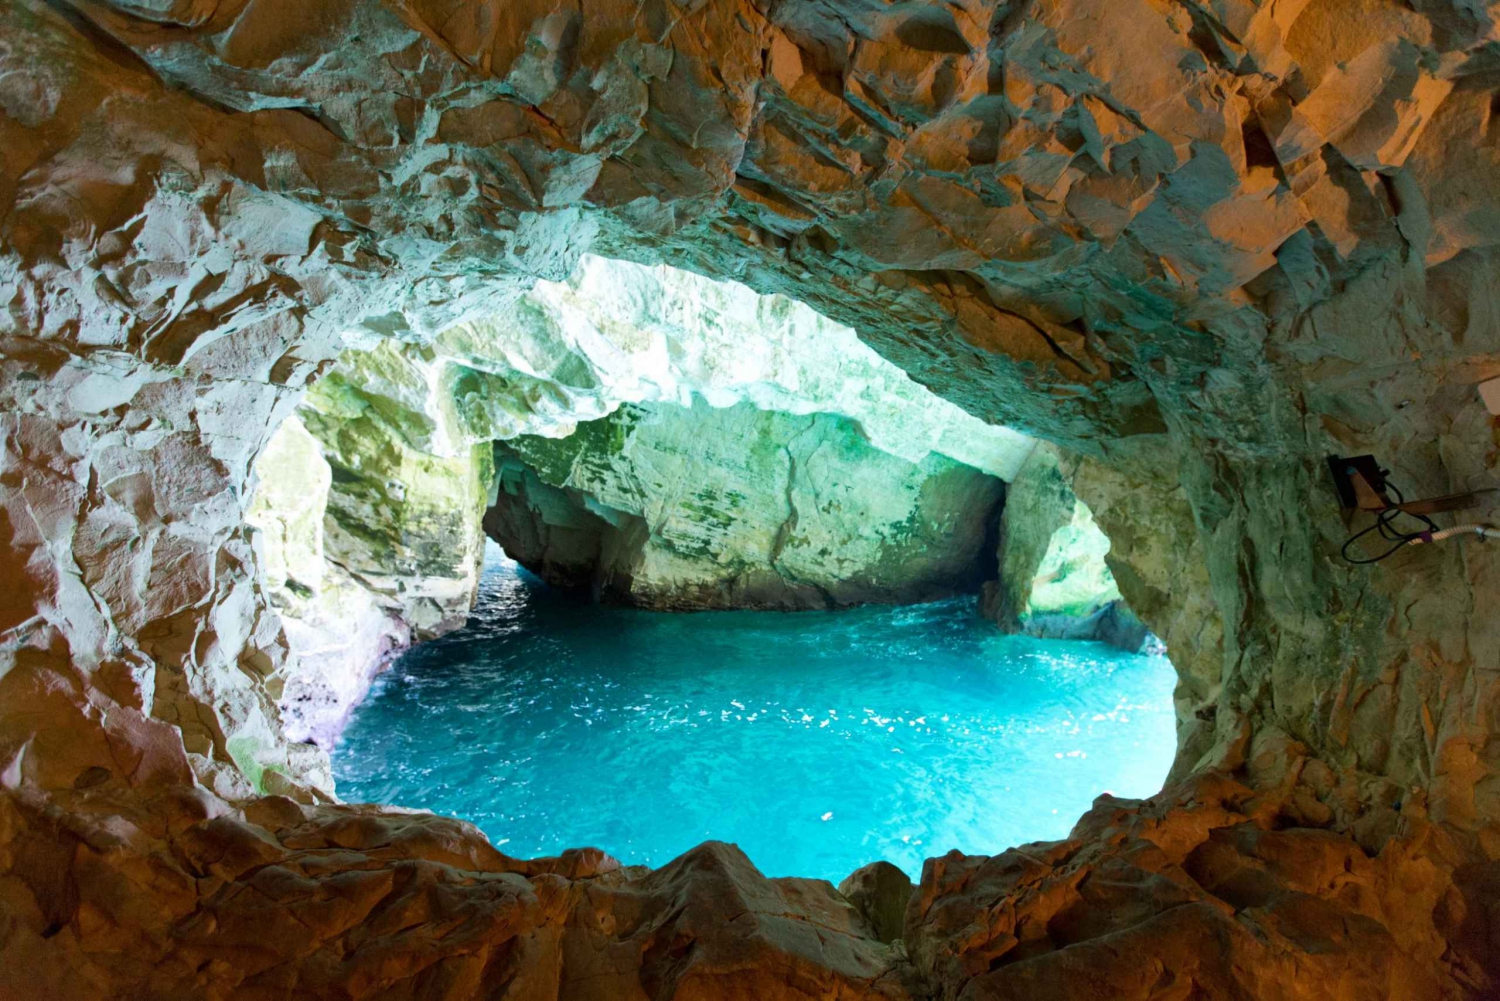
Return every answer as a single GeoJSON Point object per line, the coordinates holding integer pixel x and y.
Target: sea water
{"type": "Point", "coordinates": [816, 741]}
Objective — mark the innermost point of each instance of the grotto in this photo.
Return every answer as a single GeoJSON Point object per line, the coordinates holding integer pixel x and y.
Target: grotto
{"type": "Point", "coordinates": [721, 308]}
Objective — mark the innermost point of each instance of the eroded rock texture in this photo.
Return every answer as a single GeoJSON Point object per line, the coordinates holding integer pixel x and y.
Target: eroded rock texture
{"type": "Point", "coordinates": [368, 542]}
{"type": "Point", "coordinates": [1197, 245]}
{"type": "Point", "coordinates": [698, 507]}
{"type": "Point", "coordinates": [369, 502]}
{"type": "Point", "coordinates": [1054, 575]}
{"type": "Point", "coordinates": [1209, 890]}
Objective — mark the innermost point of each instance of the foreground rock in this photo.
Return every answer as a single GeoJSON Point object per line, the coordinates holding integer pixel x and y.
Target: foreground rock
{"type": "Point", "coordinates": [671, 507]}
{"type": "Point", "coordinates": [258, 903]}
{"type": "Point", "coordinates": [881, 893]}
{"type": "Point", "coordinates": [1209, 890]}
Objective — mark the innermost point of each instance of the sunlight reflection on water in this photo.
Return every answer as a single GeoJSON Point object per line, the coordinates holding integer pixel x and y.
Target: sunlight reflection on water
{"type": "Point", "coordinates": [816, 741]}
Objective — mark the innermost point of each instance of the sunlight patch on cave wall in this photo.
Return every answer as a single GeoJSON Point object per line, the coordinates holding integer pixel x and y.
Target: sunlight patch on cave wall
{"type": "Point", "coordinates": [402, 433]}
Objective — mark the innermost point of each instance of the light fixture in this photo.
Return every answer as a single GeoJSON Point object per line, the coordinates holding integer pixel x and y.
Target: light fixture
{"type": "Point", "coordinates": [1362, 486]}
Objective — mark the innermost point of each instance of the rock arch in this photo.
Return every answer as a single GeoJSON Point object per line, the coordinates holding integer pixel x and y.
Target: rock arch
{"type": "Point", "coordinates": [1197, 247]}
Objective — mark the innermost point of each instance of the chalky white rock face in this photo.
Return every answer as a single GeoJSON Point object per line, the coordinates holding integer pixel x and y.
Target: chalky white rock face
{"type": "Point", "coordinates": [704, 507]}
{"type": "Point", "coordinates": [338, 630]}
{"type": "Point", "coordinates": [617, 332]}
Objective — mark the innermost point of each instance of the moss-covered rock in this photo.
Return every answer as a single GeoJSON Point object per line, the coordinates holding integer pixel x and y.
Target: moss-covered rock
{"type": "Point", "coordinates": [371, 502]}
{"type": "Point", "coordinates": [369, 533]}
{"type": "Point", "coordinates": [407, 494]}
{"type": "Point", "coordinates": [703, 507]}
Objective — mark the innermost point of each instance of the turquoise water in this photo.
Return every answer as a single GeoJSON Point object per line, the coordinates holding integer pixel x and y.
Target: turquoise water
{"type": "Point", "coordinates": [816, 741]}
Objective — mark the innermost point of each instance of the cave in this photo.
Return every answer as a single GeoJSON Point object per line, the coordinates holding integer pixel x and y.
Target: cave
{"type": "Point", "coordinates": [1186, 252]}
{"type": "Point", "coordinates": [645, 437]}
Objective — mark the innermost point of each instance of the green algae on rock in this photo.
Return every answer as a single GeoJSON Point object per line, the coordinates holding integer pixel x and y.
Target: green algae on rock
{"type": "Point", "coordinates": [390, 461]}
{"type": "Point", "coordinates": [735, 507]}
{"type": "Point", "coordinates": [1054, 576]}
{"type": "Point", "coordinates": [369, 534]}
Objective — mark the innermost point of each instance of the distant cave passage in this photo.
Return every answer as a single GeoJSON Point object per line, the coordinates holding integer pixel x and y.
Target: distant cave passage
{"type": "Point", "coordinates": [665, 507]}
{"type": "Point", "coordinates": [669, 507]}
{"type": "Point", "coordinates": [806, 476]}
{"type": "Point", "coordinates": [663, 441]}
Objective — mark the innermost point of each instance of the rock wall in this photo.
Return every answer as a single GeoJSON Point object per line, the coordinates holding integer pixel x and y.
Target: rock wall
{"type": "Point", "coordinates": [615, 332]}
{"type": "Point", "coordinates": [691, 508]}
{"type": "Point", "coordinates": [1198, 245]}
{"type": "Point", "coordinates": [1209, 889]}
{"type": "Point", "coordinates": [398, 463]}
{"type": "Point", "coordinates": [369, 533]}
{"type": "Point", "coordinates": [403, 514]}
{"type": "Point", "coordinates": [337, 633]}
{"type": "Point", "coordinates": [1054, 577]}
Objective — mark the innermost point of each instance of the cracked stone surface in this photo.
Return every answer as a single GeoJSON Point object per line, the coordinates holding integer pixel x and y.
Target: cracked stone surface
{"type": "Point", "coordinates": [1198, 246]}
{"type": "Point", "coordinates": [1054, 574]}
{"type": "Point", "coordinates": [700, 507]}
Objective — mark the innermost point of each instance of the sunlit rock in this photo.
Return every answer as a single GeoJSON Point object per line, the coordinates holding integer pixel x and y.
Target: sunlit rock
{"type": "Point", "coordinates": [703, 507]}
{"type": "Point", "coordinates": [1054, 579]}
{"type": "Point", "coordinates": [369, 539]}
{"type": "Point", "coordinates": [616, 332]}
{"type": "Point", "coordinates": [338, 631]}
{"type": "Point", "coordinates": [403, 507]}
{"type": "Point", "coordinates": [405, 433]}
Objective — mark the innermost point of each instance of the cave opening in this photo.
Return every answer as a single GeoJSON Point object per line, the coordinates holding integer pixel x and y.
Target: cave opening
{"type": "Point", "coordinates": [535, 500]}
{"type": "Point", "coordinates": [1199, 250]}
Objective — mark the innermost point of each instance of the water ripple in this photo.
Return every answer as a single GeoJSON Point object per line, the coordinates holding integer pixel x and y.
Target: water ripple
{"type": "Point", "coordinates": [816, 741]}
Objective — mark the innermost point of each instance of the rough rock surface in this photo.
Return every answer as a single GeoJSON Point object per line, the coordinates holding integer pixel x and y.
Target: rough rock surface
{"type": "Point", "coordinates": [615, 332]}
{"type": "Point", "coordinates": [701, 507]}
{"type": "Point", "coordinates": [1209, 890]}
{"type": "Point", "coordinates": [1054, 576]}
{"type": "Point", "coordinates": [405, 431]}
{"type": "Point", "coordinates": [368, 541]}
{"type": "Point", "coordinates": [338, 634]}
{"type": "Point", "coordinates": [279, 900]}
{"type": "Point", "coordinates": [881, 893]}
{"type": "Point", "coordinates": [402, 513]}
{"type": "Point", "coordinates": [1199, 245]}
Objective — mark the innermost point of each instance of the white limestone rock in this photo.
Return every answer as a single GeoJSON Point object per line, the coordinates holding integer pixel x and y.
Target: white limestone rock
{"type": "Point", "coordinates": [1054, 576]}
{"type": "Point", "coordinates": [706, 507]}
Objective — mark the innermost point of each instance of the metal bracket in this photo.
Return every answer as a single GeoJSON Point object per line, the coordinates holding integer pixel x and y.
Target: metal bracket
{"type": "Point", "coordinates": [1360, 483]}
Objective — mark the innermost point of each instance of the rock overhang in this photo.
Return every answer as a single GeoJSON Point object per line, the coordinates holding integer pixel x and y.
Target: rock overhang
{"type": "Point", "coordinates": [1199, 256]}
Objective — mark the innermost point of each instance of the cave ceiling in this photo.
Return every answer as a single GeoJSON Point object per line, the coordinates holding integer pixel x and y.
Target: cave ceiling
{"type": "Point", "coordinates": [1196, 245]}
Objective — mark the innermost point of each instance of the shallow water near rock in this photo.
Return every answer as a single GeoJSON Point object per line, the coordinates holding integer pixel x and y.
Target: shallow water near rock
{"type": "Point", "coordinates": [816, 741]}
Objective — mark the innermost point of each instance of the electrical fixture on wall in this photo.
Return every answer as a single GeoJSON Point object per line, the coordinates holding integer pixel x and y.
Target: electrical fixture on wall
{"type": "Point", "coordinates": [1489, 392]}
{"type": "Point", "coordinates": [1362, 486]}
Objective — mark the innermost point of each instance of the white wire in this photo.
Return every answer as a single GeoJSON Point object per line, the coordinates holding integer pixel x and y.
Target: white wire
{"type": "Point", "coordinates": [1483, 531]}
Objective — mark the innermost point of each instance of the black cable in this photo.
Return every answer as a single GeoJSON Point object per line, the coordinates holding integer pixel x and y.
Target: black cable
{"type": "Point", "coordinates": [1383, 525]}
